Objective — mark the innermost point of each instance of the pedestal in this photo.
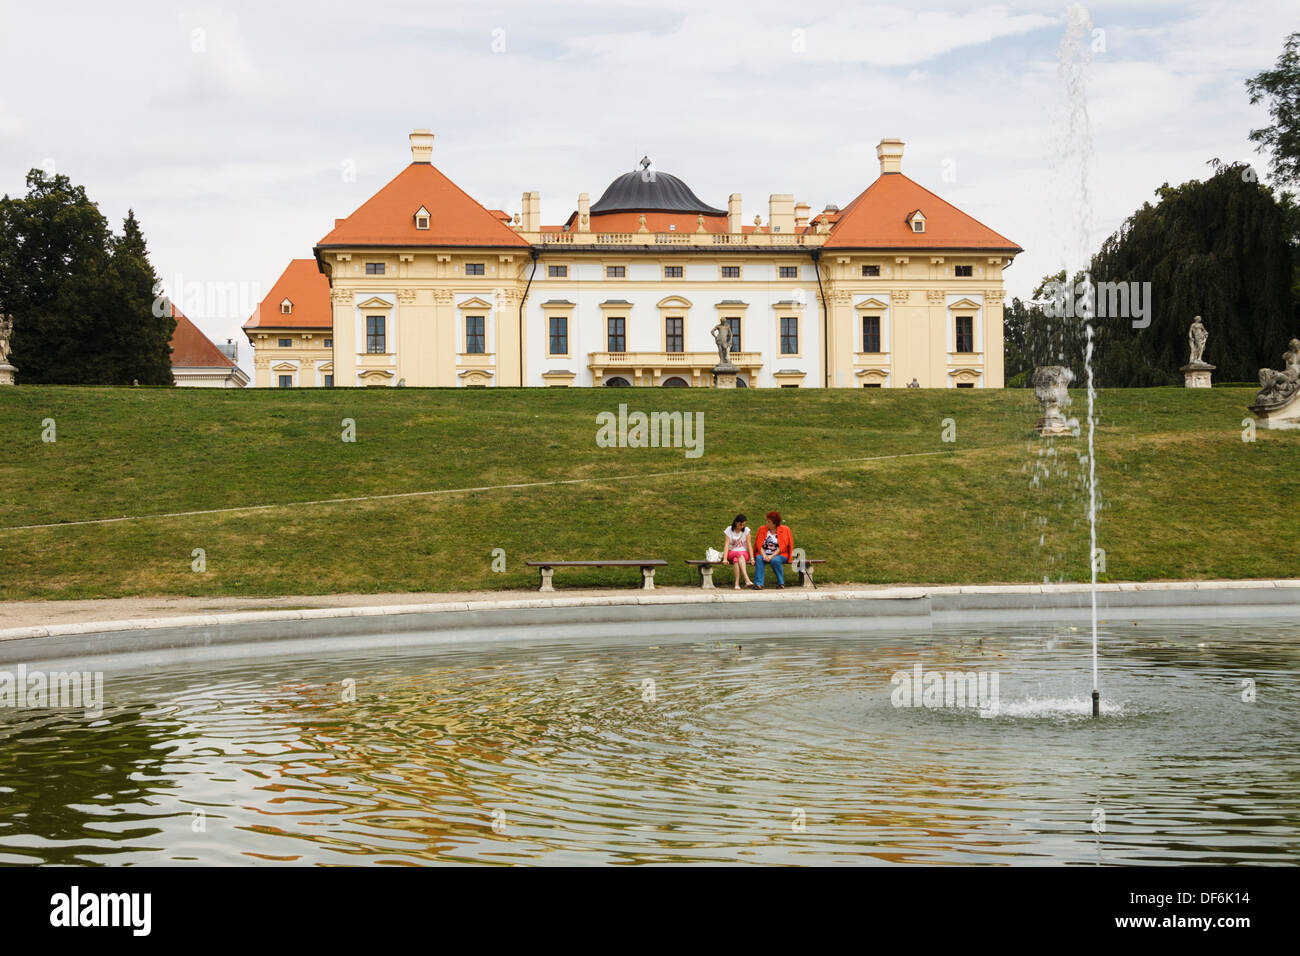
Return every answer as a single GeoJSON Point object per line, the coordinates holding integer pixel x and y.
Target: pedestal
{"type": "Point", "coordinates": [7, 373]}
{"type": "Point", "coordinates": [1284, 416]}
{"type": "Point", "coordinates": [1197, 374]}
{"type": "Point", "coordinates": [724, 375]}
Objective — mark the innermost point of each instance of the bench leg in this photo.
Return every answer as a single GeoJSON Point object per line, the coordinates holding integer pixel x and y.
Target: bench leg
{"type": "Point", "coordinates": [547, 573]}
{"type": "Point", "coordinates": [806, 576]}
{"type": "Point", "coordinates": [706, 577]}
{"type": "Point", "coordinates": [647, 579]}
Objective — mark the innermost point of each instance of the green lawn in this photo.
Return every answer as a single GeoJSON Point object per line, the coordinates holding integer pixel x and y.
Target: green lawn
{"type": "Point", "coordinates": [1182, 495]}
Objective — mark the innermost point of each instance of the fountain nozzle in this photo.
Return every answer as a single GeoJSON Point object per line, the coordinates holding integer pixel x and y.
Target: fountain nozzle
{"type": "Point", "coordinates": [1096, 704]}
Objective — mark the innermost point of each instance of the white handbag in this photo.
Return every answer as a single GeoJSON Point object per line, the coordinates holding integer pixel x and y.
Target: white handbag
{"type": "Point", "coordinates": [713, 555]}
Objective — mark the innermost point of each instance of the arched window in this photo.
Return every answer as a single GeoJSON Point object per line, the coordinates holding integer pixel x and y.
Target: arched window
{"type": "Point", "coordinates": [618, 382]}
{"type": "Point", "coordinates": [675, 382]}
{"type": "Point", "coordinates": [741, 383]}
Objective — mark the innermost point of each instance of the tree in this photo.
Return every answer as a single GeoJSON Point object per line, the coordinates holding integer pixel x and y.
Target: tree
{"type": "Point", "coordinates": [1280, 89]}
{"type": "Point", "coordinates": [81, 298]}
{"type": "Point", "coordinates": [1220, 249]}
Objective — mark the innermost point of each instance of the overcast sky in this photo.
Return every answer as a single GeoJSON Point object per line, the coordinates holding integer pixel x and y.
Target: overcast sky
{"type": "Point", "coordinates": [238, 132]}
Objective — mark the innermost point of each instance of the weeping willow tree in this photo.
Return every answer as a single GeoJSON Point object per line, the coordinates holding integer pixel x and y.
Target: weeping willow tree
{"type": "Point", "coordinates": [1222, 249]}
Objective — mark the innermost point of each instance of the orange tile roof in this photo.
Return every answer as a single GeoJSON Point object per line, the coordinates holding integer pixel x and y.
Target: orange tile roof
{"type": "Point", "coordinates": [877, 219]}
{"type": "Point", "coordinates": [388, 217]}
{"type": "Point", "coordinates": [191, 348]}
{"type": "Point", "coordinates": [303, 284]}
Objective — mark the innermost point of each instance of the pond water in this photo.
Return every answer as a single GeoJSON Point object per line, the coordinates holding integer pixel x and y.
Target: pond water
{"type": "Point", "coordinates": [759, 748]}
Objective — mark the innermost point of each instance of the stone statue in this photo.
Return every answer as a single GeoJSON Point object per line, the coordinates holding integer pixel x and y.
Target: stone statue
{"type": "Point", "coordinates": [1276, 388]}
{"type": "Point", "coordinates": [6, 330]}
{"type": "Point", "coordinates": [913, 383]}
{"type": "Point", "coordinates": [1196, 336]}
{"type": "Point", "coordinates": [722, 335]}
{"type": "Point", "coordinates": [1051, 387]}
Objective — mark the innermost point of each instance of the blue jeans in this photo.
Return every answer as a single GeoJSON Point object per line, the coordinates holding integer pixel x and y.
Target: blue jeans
{"type": "Point", "coordinates": [777, 561]}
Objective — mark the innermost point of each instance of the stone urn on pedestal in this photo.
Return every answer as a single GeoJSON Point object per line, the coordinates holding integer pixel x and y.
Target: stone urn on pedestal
{"type": "Point", "coordinates": [6, 370]}
{"type": "Point", "coordinates": [1051, 386]}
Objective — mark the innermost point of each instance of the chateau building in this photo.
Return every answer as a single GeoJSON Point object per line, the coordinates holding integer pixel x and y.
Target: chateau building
{"type": "Point", "coordinates": [198, 362]}
{"type": "Point", "coordinates": [424, 286]}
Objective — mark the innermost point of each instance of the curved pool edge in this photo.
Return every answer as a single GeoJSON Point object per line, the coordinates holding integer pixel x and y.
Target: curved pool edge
{"type": "Point", "coordinates": [273, 632]}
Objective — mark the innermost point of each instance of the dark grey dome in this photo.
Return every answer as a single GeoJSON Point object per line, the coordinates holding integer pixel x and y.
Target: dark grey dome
{"type": "Point", "coordinates": [648, 190]}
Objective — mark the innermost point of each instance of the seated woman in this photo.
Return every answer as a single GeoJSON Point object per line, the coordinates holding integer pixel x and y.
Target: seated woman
{"type": "Point", "coordinates": [738, 551]}
{"type": "Point", "coordinates": [775, 546]}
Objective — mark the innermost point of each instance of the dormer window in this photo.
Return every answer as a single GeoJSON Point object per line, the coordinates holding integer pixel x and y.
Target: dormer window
{"type": "Point", "coordinates": [917, 221]}
{"type": "Point", "coordinates": [286, 307]}
{"type": "Point", "coordinates": [421, 218]}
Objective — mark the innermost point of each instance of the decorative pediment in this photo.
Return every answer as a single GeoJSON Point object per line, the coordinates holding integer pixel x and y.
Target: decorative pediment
{"type": "Point", "coordinates": [872, 304]}
{"type": "Point", "coordinates": [284, 367]}
{"type": "Point", "coordinates": [374, 302]}
{"type": "Point", "coordinates": [475, 303]}
{"type": "Point", "coordinates": [965, 304]}
{"type": "Point", "coordinates": [964, 374]}
{"type": "Point", "coordinates": [327, 368]}
{"type": "Point", "coordinates": [872, 373]}
{"type": "Point", "coordinates": [674, 302]}
{"type": "Point", "coordinates": [475, 376]}
{"type": "Point", "coordinates": [375, 376]}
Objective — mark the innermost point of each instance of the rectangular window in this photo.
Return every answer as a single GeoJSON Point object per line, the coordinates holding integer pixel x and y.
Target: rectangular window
{"type": "Point", "coordinates": [329, 343]}
{"type": "Point", "coordinates": [329, 381]}
{"type": "Point", "coordinates": [475, 343]}
{"type": "Point", "coordinates": [617, 329]}
{"type": "Point", "coordinates": [965, 384]}
{"type": "Point", "coordinates": [789, 335]}
{"type": "Point", "coordinates": [673, 272]}
{"type": "Point", "coordinates": [557, 272]}
{"type": "Point", "coordinates": [871, 333]}
{"type": "Point", "coordinates": [734, 322]}
{"type": "Point", "coordinates": [964, 271]}
{"type": "Point", "coordinates": [615, 272]}
{"type": "Point", "coordinates": [965, 333]}
{"type": "Point", "coordinates": [286, 381]}
{"type": "Point", "coordinates": [559, 335]}
{"type": "Point", "coordinates": [376, 341]}
{"type": "Point", "coordinates": [787, 272]}
{"type": "Point", "coordinates": [871, 272]}
{"type": "Point", "coordinates": [374, 268]}
{"type": "Point", "coordinates": [286, 343]}
{"type": "Point", "coordinates": [871, 385]}
{"type": "Point", "coordinates": [673, 340]}
{"type": "Point", "coordinates": [789, 386]}
{"type": "Point", "coordinates": [731, 272]}
{"type": "Point", "coordinates": [474, 269]}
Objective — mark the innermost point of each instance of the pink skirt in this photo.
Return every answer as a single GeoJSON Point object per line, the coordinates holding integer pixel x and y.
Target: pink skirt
{"type": "Point", "coordinates": [737, 556]}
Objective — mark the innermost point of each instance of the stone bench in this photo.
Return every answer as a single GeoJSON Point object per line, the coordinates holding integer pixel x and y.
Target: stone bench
{"type": "Point", "coordinates": [647, 566]}
{"type": "Point", "coordinates": [706, 571]}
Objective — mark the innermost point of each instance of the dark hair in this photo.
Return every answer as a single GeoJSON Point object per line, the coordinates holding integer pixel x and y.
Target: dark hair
{"type": "Point", "coordinates": [737, 520]}
{"type": "Point", "coordinates": [774, 516]}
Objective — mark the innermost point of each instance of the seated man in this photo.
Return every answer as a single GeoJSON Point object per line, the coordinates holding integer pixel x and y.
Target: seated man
{"type": "Point", "coordinates": [775, 546]}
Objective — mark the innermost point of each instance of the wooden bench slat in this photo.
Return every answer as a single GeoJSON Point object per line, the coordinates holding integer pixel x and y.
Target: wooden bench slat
{"type": "Point", "coordinates": [647, 563]}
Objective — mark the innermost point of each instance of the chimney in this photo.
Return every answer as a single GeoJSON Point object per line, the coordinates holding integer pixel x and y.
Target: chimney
{"type": "Point", "coordinates": [801, 213]}
{"type": "Point", "coordinates": [890, 153]}
{"type": "Point", "coordinates": [421, 146]}
{"type": "Point", "coordinates": [733, 213]}
{"type": "Point", "coordinates": [584, 213]}
{"type": "Point", "coordinates": [532, 211]}
{"type": "Point", "coordinates": [780, 212]}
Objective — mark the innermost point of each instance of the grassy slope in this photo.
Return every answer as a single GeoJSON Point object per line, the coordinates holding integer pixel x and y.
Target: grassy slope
{"type": "Point", "coordinates": [1183, 495]}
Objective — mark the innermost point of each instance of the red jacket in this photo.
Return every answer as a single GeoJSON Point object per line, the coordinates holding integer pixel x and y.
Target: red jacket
{"type": "Point", "coordinates": [784, 541]}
